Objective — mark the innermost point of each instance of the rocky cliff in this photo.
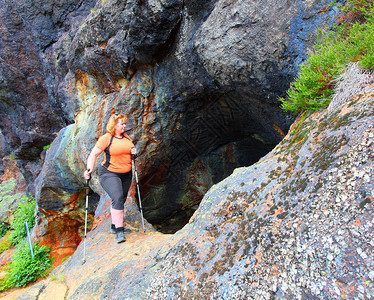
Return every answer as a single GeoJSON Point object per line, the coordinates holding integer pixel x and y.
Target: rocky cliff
{"type": "Point", "coordinates": [298, 224]}
{"type": "Point", "coordinates": [199, 81]}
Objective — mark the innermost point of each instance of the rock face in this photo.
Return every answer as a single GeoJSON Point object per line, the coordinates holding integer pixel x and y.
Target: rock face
{"type": "Point", "coordinates": [199, 81]}
{"type": "Point", "coordinates": [31, 115]}
{"type": "Point", "coordinates": [12, 190]}
{"type": "Point", "coordinates": [297, 224]}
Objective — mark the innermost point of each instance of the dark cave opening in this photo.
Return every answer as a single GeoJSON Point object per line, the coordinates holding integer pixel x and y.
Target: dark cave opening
{"type": "Point", "coordinates": [168, 216]}
{"type": "Point", "coordinates": [213, 141]}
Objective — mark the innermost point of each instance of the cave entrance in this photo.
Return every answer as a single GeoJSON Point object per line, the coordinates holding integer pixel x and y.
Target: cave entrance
{"type": "Point", "coordinates": [170, 203]}
{"type": "Point", "coordinates": [211, 142]}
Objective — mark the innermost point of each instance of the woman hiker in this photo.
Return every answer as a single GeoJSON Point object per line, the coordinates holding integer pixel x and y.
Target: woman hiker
{"type": "Point", "coordinates": [115, 174]}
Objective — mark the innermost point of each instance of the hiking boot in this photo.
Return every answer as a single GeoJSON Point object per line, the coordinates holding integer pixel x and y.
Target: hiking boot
{"type": "Point", "coordinates": [120, 235]}
{"type": "Point", "coordinates": [113, 229]}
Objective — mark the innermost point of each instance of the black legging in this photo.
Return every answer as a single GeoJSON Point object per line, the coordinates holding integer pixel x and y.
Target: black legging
{"type": "Point", "coordinates": [117, 186]}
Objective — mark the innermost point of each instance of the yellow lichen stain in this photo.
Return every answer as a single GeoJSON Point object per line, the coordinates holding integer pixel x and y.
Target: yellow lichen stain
{"type": "Point", "coordinates": [84, 85]}
{"type": "Point", "coordinates": [81, 81]}
{"type": "Point", "coordinates": [103, 45]}
{"type": "Point", "coordinates": [122, 83]}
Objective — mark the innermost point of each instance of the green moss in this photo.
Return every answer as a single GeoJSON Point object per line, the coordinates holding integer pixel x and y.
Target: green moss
{"type": "Point", "coordinates": [5, 242]}
{"type": "Point", "coordinates": [60, 278]}
{"type": "Point", "coordinates": [8, 198]}
{"type": "Point", "coordinates": [345, 120]}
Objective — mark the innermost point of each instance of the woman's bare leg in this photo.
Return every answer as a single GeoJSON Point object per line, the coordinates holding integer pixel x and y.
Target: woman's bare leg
{"type": "Point", "coordinates": [117, 217]}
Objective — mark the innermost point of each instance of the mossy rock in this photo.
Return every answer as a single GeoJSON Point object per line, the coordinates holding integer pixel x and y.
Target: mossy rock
{"type": "Point", "coordinates": [8, 198]}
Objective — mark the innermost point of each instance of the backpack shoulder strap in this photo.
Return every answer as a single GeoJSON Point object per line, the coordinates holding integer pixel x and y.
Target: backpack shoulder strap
{"type": "Point", "coordinates": [107, 154]}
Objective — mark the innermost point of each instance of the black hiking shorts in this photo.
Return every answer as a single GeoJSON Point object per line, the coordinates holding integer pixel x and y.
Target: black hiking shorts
{"type": "Point", "coordinates": [117, 186]}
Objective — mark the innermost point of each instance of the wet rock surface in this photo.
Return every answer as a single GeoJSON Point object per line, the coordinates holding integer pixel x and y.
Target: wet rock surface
{"type": "Point", "coordinates": [297, 224]}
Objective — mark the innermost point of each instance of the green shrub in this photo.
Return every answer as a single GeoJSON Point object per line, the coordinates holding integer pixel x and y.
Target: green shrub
{"type": "Point", "coordinates": [5, 282]}
{"type": "Point", "coordinates": [4, 227]}
{"type": "Point", "coordinates": [350, 42]}
{"type": "Point", "coordinates": [24, 212]}
{"type": "Point", "coordinates": [24, 269]}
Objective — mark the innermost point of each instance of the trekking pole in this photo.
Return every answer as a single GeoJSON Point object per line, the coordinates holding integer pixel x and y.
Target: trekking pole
{"type": "Point", "coordinates": [85, 221]}
{"type": "Point", "coordinates": [137, 185]}
{"type": "Point", "coordinates": [29, 238]}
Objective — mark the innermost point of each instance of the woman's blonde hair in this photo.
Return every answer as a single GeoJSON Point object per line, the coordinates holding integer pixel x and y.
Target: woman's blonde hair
{"type": "Point", "coordinates": [113, 120]}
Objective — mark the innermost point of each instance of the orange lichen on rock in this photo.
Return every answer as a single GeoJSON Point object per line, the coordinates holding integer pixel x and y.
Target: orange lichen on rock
{"type": "Point", "coordinates": [59, 231]}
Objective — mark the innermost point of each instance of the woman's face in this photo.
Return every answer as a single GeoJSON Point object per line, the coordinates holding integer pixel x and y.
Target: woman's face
{"type": "Point", "coordinates": [120, 127]}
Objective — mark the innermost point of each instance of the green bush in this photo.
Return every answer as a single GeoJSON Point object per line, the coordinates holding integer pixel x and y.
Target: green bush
{"type": "Point", "coordinates": [5, 282]}
{"type": "Point", "coordinates": [24, 269]}
{"type": "Point", "coordinates": [24, 212]}
{"type": "Point", "coordinates": [4, 227]}
{"type": "Point", "coordinates": [351, 41]}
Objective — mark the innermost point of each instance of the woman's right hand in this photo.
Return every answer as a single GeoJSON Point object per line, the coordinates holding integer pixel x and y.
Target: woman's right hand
{"type": "Point", "coordinates": [87, 174]}
{"type": "Point", "coordinates": [95, 152]}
